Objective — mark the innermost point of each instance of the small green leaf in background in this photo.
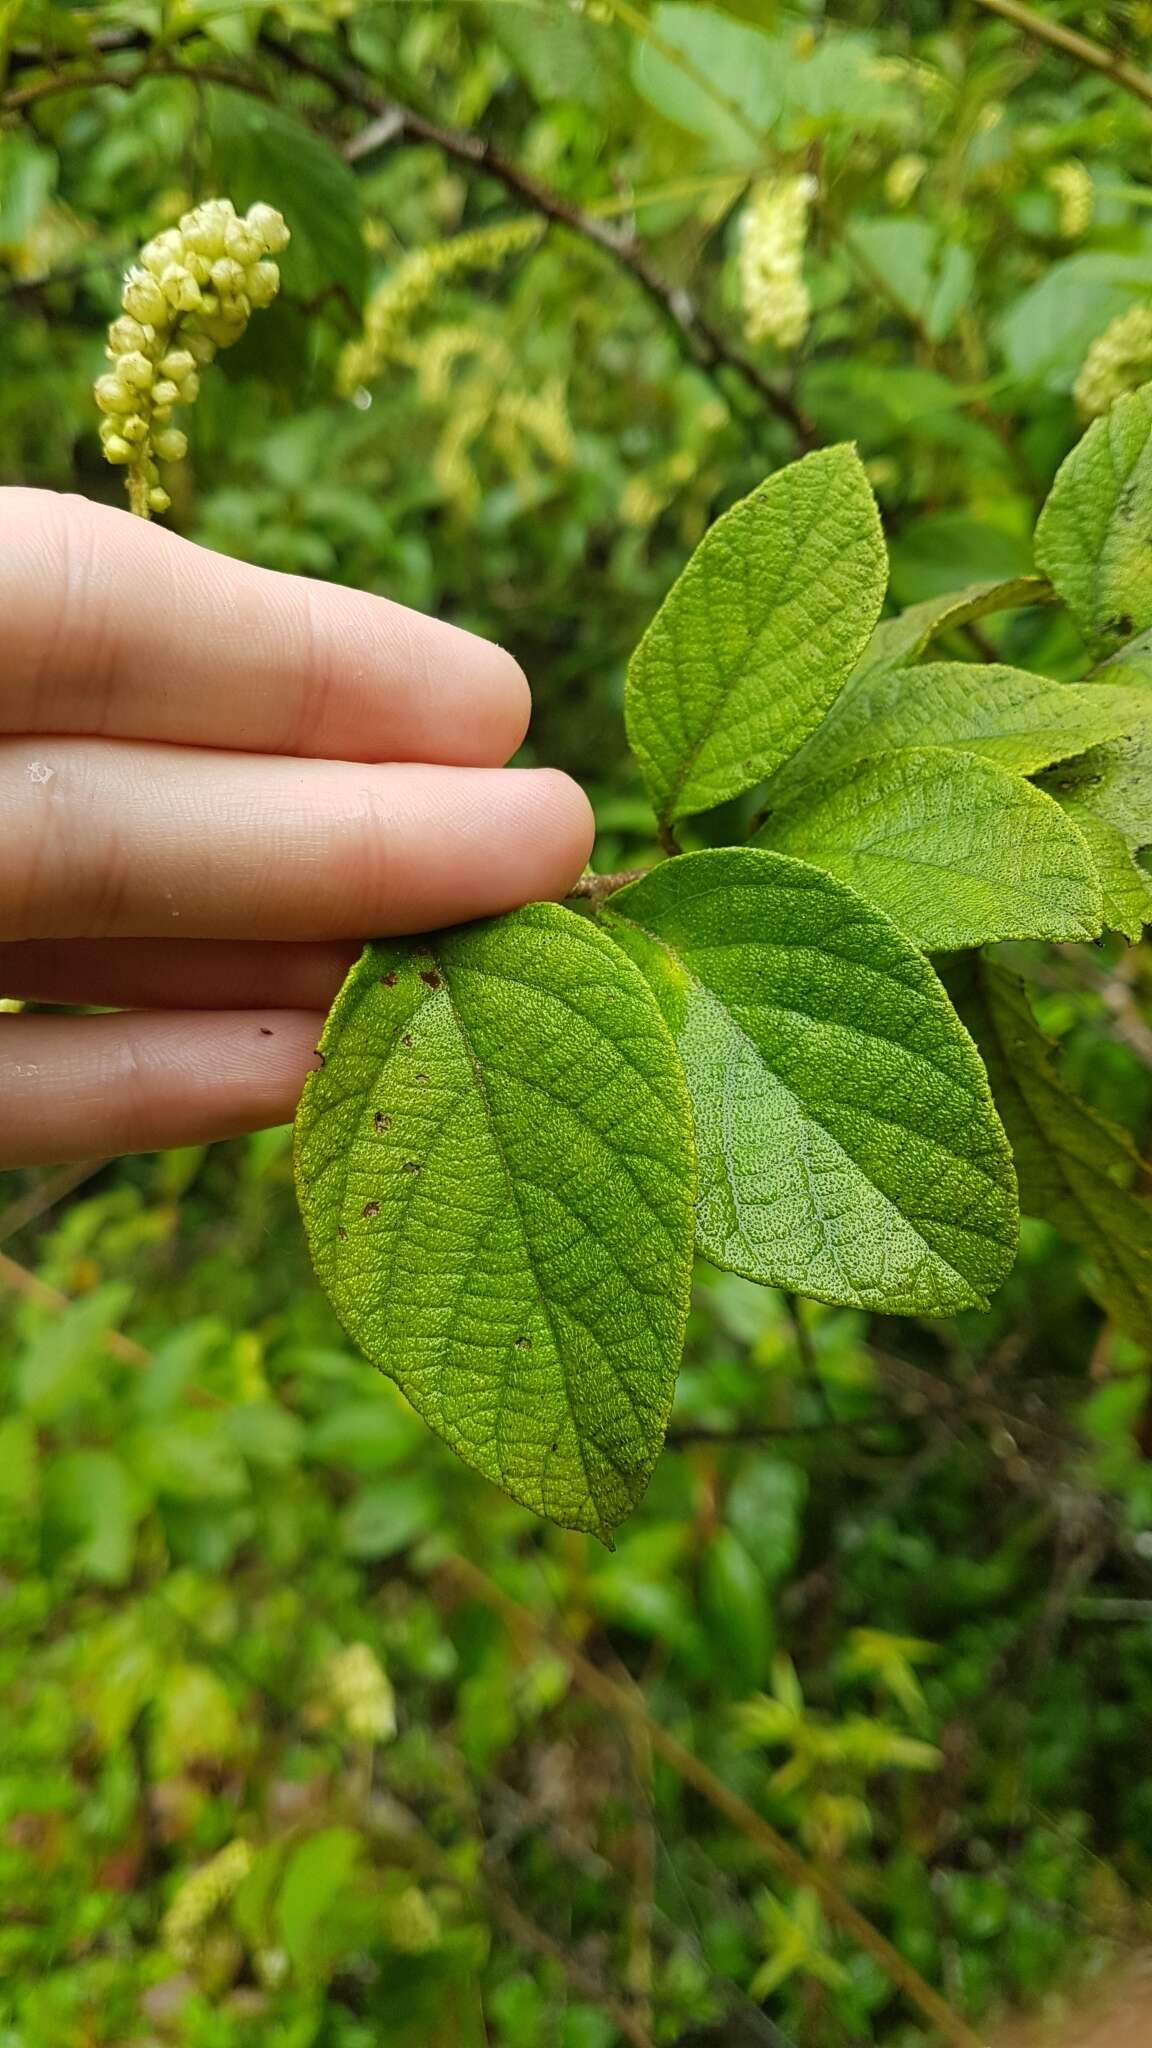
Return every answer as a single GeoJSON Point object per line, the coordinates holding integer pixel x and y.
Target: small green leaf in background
{"type": "Point", "coordinates": [715, 76]}
{"type": "Point", "coordinates": [900, 640]}
{"type": "Point", "coordinates": [258, 151]}
{"type": "Point", "coordinates": [1046, 333]}
{"type": "Point", "coordinates": [929, 278]}
{"type": "Point", "coordinates": [758, 635]}
{"type": "Point", "coordinates": [847, 1142]}
{"type": "Point", "coordinates": [91, 1507]}
{"type": "Point", "coordinates": [1094, 536]}
{"type": "Point", "coordinates": [956, 849]}
{"type": "Point", "coordinates": [495, 1169]}
{"type": "Point", "coordinates": [1076, 1170]}
{"type": "Point", "coordinates": [1004, 714]}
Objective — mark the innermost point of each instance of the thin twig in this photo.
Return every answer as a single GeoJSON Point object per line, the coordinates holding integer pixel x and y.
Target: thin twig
{"type": "Point", "coordinates": [392, 121]}
{"type": "Point", "coordinates": [44, 1196]}
{"type": "Point", "coordinates": [628, 1703]}
{"type": "Point", "coordinates": [594, 888]}
{"type": "Point", "coordinates": [1073, 44]}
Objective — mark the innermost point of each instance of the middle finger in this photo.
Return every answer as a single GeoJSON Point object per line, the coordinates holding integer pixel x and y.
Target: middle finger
{"type": "Point", "coordinates": [107, 839]}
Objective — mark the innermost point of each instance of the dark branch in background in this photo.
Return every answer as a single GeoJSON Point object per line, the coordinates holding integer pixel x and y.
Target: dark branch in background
{"type": "Point", "coordinates": [1093, 55]}
{"type": "Point", "coordinates": [394, 122]}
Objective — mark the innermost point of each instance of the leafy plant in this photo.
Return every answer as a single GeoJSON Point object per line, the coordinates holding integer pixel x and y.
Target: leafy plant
{"type": "Point", "coordinates": [496, 1162]}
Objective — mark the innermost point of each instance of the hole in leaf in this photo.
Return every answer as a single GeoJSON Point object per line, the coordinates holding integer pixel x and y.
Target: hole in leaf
{"type": "Point", "coordinates": [412, 1166]}
{"type": "Point", "coordinates": [421, 1077]}
{"type": "Point", "coordinates": [407, 1038]}
{"type": "Point", "coordinates": [341, 1233]}
{"type": "Point", "coordinates": [370, 1211]}
{"type": "Point", "coordinates": [381, 1123]}
{"type": "Point", "coordinates": [523, 1343]}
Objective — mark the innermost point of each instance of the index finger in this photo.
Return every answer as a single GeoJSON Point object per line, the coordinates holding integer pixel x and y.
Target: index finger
{"type": "Point", "coordinates": [115, 628]}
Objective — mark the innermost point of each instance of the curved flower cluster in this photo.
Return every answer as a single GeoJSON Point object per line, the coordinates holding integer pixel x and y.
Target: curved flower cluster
{"type": "Point", "coordinates": [773, 230]}
{"type": "Point", "coordinates": [361, 1691]}
{"type": "Point", "coordinates": [1118, 360]}
{"type": "Point", "coordinates": [1075, 197]}
{"type": "Point", "coordinates": [201, 1895]}
{"type": "Point", "coordinates": [191, 292]}
{"type": "Point", "coordinates": [415, 280]}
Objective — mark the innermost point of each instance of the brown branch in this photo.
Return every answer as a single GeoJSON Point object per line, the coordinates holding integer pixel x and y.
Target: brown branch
{"type": "Point", "coordinates": [44, 1196]}
{"type": "Point", "coordinates": [594, 888]}
{"type": "Point", "coordinates": [19, 98]}
{"type": "Point", "coordinates": [392, 121]}
{"type": "Point", "coordinates": [1094, 55]}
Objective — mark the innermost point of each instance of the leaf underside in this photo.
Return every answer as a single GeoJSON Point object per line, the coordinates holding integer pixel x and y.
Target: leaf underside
{"type": "Point", "coordinates": [956, 849]}
{"type": "Point", "coordinates": [847, 1142]}
{"type": "Point", "coordinates": [496, 1173]}
{"type": "Point", "coordinates": [1076, 1169]}
{"type": "Point", "coordinates": [758, 635]}
{"type": "Point", "coordinates": [899, 641]}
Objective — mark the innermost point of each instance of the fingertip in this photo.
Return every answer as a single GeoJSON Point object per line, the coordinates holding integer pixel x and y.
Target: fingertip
{"type": "Point", "coordinates": [570, 826]}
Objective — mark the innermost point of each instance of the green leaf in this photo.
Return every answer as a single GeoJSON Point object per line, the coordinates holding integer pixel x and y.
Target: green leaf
{"type": "Point", "coordinates": [1094, 535]}
{"type": "Point", "coordinates": [899, 641]}
{"type": "Point", "coordinates": [563, 55]}
{"type": "Point", "coordinates": [260, 152]}
{"type": "Point", "coordinates": [92, 1504]}
{"type": "Point", "coordinates": [1076, 1169]}
{"type": "Point", "coordinates": [1113, 781]}
{"type": "Point", "coordinates": [929, 278]}
{"type": "Point", "coordinates": [710, 74]}
{"type": "Point", "coordinates": [1046, 334]}
{"type": "Point", "coordinates": [956, 849]}
{"type": "Point", "coordinates": [495, 1169]}
{"type": "Point", "coordinates": [1126, 889]}
{"type": "Point", "coordinates": [1003, 714]}
{"type": "Point", "coordinates": [758, 635]}
{"type": "Point", "coordinates": [847, 1142]}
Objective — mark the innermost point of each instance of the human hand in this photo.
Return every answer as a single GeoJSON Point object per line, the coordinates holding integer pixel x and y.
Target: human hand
{"type": "Point", "coordinates": [211, 788]}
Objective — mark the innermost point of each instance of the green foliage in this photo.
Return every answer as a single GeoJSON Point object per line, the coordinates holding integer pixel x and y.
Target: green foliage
{"type": "Point", "coordinates": [847, 1145]}
{"type": "Point", "coordinates": [496, 1171]}
{"type": "Point", "coordinates": [269, 1778]}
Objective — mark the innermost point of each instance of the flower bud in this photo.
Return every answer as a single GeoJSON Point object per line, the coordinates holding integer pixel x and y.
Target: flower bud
{"type": "Point", "coordinates": [158, 500]}
{"type": "Point", "coordinates": [135, 369]}
{"type": "Point", "coordinates": [162, 250]}
{"type": "Point", "coordinates": [180, 288]}
{"type": "Point", "coordinates": [125, 335]}
{"type": "Point", "coordinates": [165, 392]}
{"type": "Point", "coordinates": [134, 428]}
{"type": "Point", "coordinates": [270, 226]}
{"type": "Point", "coordinates": [189, 388]}
{"type": "Point", "coordinates": [113, 396]}
{"type": "Point", "coordinates": [243, 243]}
{"type": "Point", "coordinates": [200, 347]}
{"type": "Point", "coordinates": [116, 448]}
{"type": "Point", "coordinates": [143, 298]}
{"type": "Point", "coordinates": [228, 276]}
{"type": "Point", "coordinates": [177, 364]}
{"type": "Point", "coordinates": [171, 445]}
{"type": "Point", "coordinates": [262, 283]}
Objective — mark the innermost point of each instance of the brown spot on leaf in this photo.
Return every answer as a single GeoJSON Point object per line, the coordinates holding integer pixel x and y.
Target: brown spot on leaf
{"type": "Point", "coordinates": [381, 1123]}
{"type": "Point", "coordinates": [523, 1343]}
{"type": "Point", "coordinates": [429, 976]}
{"type": "Point", "coordinates": [407, 1038]}
{"type": "Point", "coordinates": [388, 980]}
{"type": "Point", "coordinates": [370, 1211]}
{"type": "Point", "coordinates": [412, 1166]}
{"type": "Point", "coordinates": [341, 1233]}
{"type": "Point", "coordinates": [421, 1077]}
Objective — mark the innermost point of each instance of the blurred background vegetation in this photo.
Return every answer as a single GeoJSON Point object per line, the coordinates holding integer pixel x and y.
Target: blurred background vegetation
{"type": "Point", "coordinates": [278, 1764]}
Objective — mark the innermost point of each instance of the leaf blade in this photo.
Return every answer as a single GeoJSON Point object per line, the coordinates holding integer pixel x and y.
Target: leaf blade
{"type": "Point", "coordinates": [1092, 534]}
{"type": "Point", "coordinates": [490, 1108]}
{"type": "Point", "coordinates": [777, 983]}
{"type": "Point", "coordinates": [955, 849]}
{"type": "Point", "coordinates": [758, 635]}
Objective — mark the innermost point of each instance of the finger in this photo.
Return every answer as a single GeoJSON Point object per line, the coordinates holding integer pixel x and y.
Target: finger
{"type": "Point", "coordinates": [88, 1087]}
{"type": "Point", "coordinates": [114, 627]}
{"type": "Point", "coordinates": [99, 839]}
{"type": "Point", "coordinates": [175, 974]}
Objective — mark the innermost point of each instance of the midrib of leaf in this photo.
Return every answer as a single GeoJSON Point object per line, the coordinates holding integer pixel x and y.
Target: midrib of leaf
{"type": "Point", "coordinates": [782, 584]}
{"type": "Point", "coordinates": [511, 1186]}
{"type": "Point", "coordinates": [810, 1115]}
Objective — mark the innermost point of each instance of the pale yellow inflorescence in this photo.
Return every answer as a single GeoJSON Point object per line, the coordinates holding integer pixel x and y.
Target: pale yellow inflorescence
{"type": "Point", "coordinates": [773, 230]}
{"type": "Point", "coordinates": [201, 1895]}
{"type": "Point", "coordinates": [191, 292]}
{"type": "Point", "coordinates": [1118, 361]}
{"type": "Point", "coordinates": [359, 1688]}
{"type": "Point", "coordinates": [1075, 197]}
{"type": "Point", "coordinates": [415, 280]}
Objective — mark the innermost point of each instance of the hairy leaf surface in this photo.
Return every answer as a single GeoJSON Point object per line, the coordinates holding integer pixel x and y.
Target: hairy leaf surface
{"type": "Point", "coordinates": [1003, 714]}
{"type": "Point", "coordinates": [1076, 1169]}
{"type": "Point", "coordinates": [495, 1169]}
{"type": "Point", "coordinates": [847, 1141]}
{"type": "Point", "coordinates": [956, 849]}
{"type": "Point", "coordinates": [1094, 536]}
{"type": "Point", "coordinates": [758, 635]}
